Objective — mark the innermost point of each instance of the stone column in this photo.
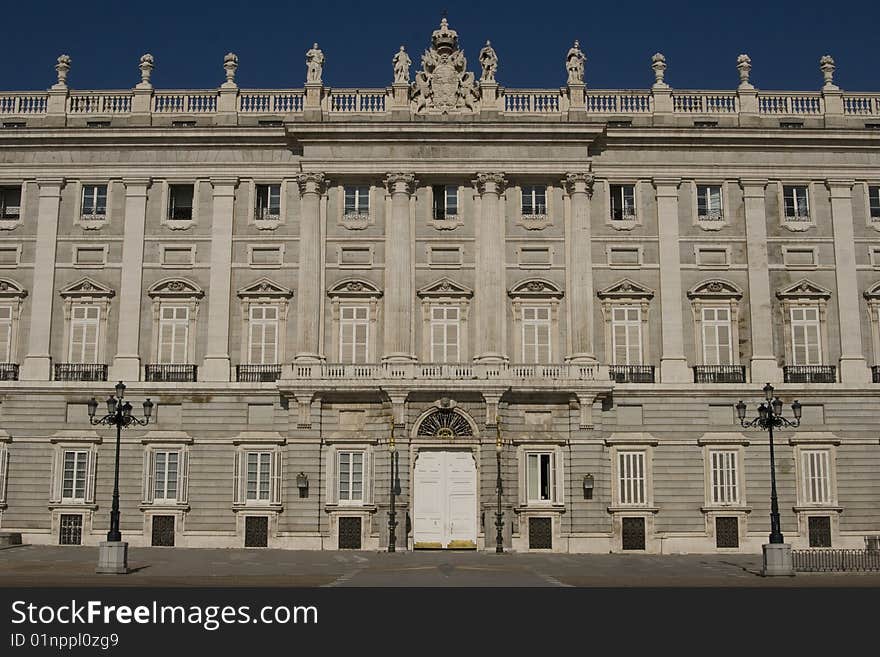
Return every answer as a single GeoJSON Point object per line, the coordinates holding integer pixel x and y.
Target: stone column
{"type": "Point", "coordinates": [490, 299]}
{"type": "Point", "coordinates": [127, 363]}
{"type": "Point", "coordinates": [579, 261]}
{"type": "Point", "coordinates": [763, 366]}
{"type": "Point", "coordinates": [398, 270]}
{"type": "Point", "coordinates": [853, 367]}
{"type": "Point", "coordinates": [308, 320]}
{"type": "Point", "coordinates": [216, 366]}
{"type": "Point", "coordinates": [38, 362]}
{"type": "Point", "coordinates": [673, 364]}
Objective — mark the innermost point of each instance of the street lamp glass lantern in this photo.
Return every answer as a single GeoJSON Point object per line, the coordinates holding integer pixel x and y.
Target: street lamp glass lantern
{"type": "Point", "coordinates": [148, 408]}
{"type": "Point", "coordinates": [120, 390]}
{"type": "Point", "coordinates": [111, 405]}
{"type": "Point", "coordinates": [777, 406]}
{"type": "Point", "coordinates": [741, 410]}
{"type": "Point", "coordinates": [126, 409]}
{"type": "Point", "coordinates": [93, 407]}
{"type": "Point", "coordinates": [768, 392]}
{"type": "Point", "coordinates": [763, 411]}
{"type": "Point", "coordinates": [797, 409]}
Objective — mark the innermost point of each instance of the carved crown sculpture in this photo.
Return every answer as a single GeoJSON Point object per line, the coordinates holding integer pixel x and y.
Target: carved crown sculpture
{"type": "Point", "coordinates": [444, 40]}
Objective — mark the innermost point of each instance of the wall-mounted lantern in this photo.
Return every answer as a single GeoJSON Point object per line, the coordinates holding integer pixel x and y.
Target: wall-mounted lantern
{"type": "Point", "coordinates": [588, 486]}
{"type": "Point", "coordinates": [302, 483]}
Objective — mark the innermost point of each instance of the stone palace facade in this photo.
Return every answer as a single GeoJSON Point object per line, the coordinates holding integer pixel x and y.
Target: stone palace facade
{"type": "Point", "coordinates": [585, 281]}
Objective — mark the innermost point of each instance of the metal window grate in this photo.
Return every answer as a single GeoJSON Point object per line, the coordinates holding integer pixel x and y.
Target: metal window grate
{"type": "Point", "coordinates": [80, 372]}
{"type": "Point", "coordinates": [819, 529]}
{"type": "Point", "coordinates": [257, 373]}
{"type": "Point", "coordinates": [727, 532]}
{"type": "Point", "coordinates": [256, 531]}
{"type": "Point", "coordinates": [71, 529]}
{"type": "Point", "coordinates": [163, 531]}
{"type": "Point", "coordinates": [633, 533]}
{"type": "Point", "coordinates": [349, 533]}
{"type": "Point", "coordinates": [540, 533]}
{"type": "Point", "coordinates": [176, 373]}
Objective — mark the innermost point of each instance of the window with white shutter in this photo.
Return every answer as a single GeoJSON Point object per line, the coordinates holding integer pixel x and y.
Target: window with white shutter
{"type": "Point", "coordinates": [536, 346]}
{"type": "Point", "coordinates": [626, 335]}
{"type": "Point", "coordinates": [717, 342]}
{"type": "Point", "coordinates": [796, 202]}
{"type": "Point", "coordinates": [263, 338]}
{"type": "Point", "coordinates": [709, 203]}
{"type": "Point", "coordinates": [354, 333]}
{"type": "Point", "coordinates": [166, 475]}
{"type": "Point", "coordinates": [75, 470]}
{"type": "Point", "coordinates": [445, 333]}
{"type": "Point", "coordinates": [6, 315]}
{"type": "Point", "coordinates": [350, 476]}
{"type": "Point", "coordinates": [816, 476]}
{"type": "Point", "coordinates": [173, 334]}
{"type": "Point", "coordinates": [725, 489]}
{"type": "Point", "coordinates": [94, 201]}
{"type": "Point", "coordinates": [540, 477]}
{"type": "Point", "coordinates": [268, 202]}
{"type": "Point", "coordinates": [258, 484]}
{"type": "Point", "coordinates": [631, 478]}
{"type": "Point", "coordinates": [84, 327]}
{"type": "Point", "coordinates": [805, 336]}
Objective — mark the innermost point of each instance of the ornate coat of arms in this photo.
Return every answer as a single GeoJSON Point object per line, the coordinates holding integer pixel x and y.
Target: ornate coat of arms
{"type": "Point", "coordinates": [443, 84]}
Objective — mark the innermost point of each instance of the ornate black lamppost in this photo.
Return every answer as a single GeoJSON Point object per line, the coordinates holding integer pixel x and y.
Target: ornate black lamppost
{"type": "Point", "coordinates": [395, 491]}
{"type": "Point", "coordinates": [499, 514]}
{"type": "Point", "coordinates": [114, 558]}
{"type": "Point", "coordinates": [777, 555]}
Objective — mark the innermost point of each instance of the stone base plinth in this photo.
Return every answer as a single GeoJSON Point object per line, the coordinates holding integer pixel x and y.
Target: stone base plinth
{"type": "Point", "coordinates": [112, 558]}
{"type": "Point", "coordinates": [10, 538]}
{"type": "Point", "coordinates": [777, 560]}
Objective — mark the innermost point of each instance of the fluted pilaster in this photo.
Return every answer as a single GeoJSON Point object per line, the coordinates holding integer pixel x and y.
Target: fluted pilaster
{"type": "Point", "coordinates": [308, 321]}
{"type": "Point", "coordinates": [398, 269]}
{"type": "Point", "coordinates": [490, 301]}
{"type": "Point", "coordinates": [579, 260]}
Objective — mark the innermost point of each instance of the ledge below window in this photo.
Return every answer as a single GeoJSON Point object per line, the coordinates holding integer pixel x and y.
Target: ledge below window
{"type": "Point", "coordinates": [262, 508]}
{"type": "Point", "coordinates": [633, 509]}
{"type": "Point", "coordinates": [163, 506]}
{"type": "Point", "coordinates": [725, 509]}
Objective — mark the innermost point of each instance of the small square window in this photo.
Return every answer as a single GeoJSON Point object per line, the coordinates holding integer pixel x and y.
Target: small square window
{"type": "Point", "coordinates": [445, 202]}
{"type": "Point", "coordinates": [357, 201]}
{"type": "Point", "coordinates": [180, 202]}
{"type": "Point", "coordinates": [874, 202]}
{"type": "Point", "coordinates": [183, 124]}
{"type": "Point", "coordinates": [94, 202]}
{"type": "Point", "coordinates": [534, 201]}
{"type": "Point", "coordinates": [10, 203]}
{"type": "Point", "coordinates": [623, 202]}
{"type": "Point", "coordinates": [709, 203]}
{"type": "Point", "coordinates": [268, 202]}
{"type": "Point", "coordinates": [97, 124]}
{"type": "Point", "coordinates": [796, 202]}
{"type": "Point", "coordinates": [705, 124]}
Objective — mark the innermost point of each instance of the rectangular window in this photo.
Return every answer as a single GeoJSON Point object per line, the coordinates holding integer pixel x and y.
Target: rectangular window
{"type": "Point", "coordinates": [357, 200]}
{"type": "Point", "coordinates": [5, 338]}
{"type": "Point", "coordinates": [536, 334]}
{"type": "Point", "coordinates": [817, 484]}
{"type": "Point", "coordinates": [540, 477]}
{"type": "Point", "coordinates": [73, 476]}
{"type": "Point", "coordinates": [445, 201]}
{"type": "Point", "coordinates": [795, 199]}
{"type": "Point", "coordinates": [10, 202]}
{"type": "Point", "coordinates": [445, 334]}
{"type": "Point", "coordinates": [84, 326]}
{"type": "Point", "coordinates": [724, 481]}
{"type": "Point", "coordinates": [874, 202]}
{"type": "Point", "coordinates": [173, 333]}
{"type": "Point", "coordinates": [94, 201]}
{"type": "Point", "coordinates": [268, 202]}
{"type": "Point", "coordinates": [165, 469]}
{"type": "Point", "coordinates": [709, 203]}
{"type": "Point", "coordinates": [259, 467]}
{"type": "Point", "coordinates": [180, 201]}
{"type": "Point", "coordinates": [350, 473]}
{"type": "Point", "coordinates": [534, 200]}
{"type": "Point", "coordinates": [623, 202]}
{"type": "Point", "coordinates": [354, 331]}
{"type": "Point", "coordinates": [263, 338]}
{"type": "Point", "coordinates": [717, 338]}
{"type": "Point", "coordinates": [631, 477]}
{"type": "Point", "coordinates": [805, 346]}
{"type": "Point", "coordinates": [626, 335]}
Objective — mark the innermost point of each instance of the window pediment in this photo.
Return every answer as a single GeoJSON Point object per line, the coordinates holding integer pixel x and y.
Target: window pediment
{"type": "Point", "coordinates": [87, 288]}
{"type": "Point", "coordinates": [871, 294]}
{"type": "Point", "coordinates": [715, 289]}
{"type": "Point", "coordinates": [175, 288]}
{"type": "Point", "coordinates": [265, 287]}
{"type": "Point", "coordinates": [804, 290]}
{"type": "Point", "coordinates": [9, 289]}
{"type": "Point", "coordinates": [445, 287]}
{"type": "Point", "coordinates": [626, 289]}
{"type": "Point", "coordinates": [535, 288]}
{"type": "Point", "coordinates": [354, 288]}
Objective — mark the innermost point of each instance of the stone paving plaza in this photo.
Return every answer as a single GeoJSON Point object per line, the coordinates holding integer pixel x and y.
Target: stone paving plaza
{"type": "Point", "coordinates": [55, 566]}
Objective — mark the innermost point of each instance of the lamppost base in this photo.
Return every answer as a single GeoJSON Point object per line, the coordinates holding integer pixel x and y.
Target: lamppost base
{"type": "Point", "coordinates": [112, 558]}
{"type": "Point", "coordinates": [777, 560]}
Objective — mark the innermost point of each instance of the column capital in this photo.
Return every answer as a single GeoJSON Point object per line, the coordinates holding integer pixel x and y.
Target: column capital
{"type": "Point", "coordinates": [136, 186]}
{"type": "Point", "coordinates": [840, 188]}
{"type": "Point", "coordinates": [224, 186]}
{"type": "Point", "coordinates": [50, 186]}
{"type": "Point", "coordinates": [578, 182]}
{"type": "Point", "coordinates": [311, 182]}
{"type": "Point", "coordinates": [753, 186]}
{"type": "Point", "coordinates": [490, 183]}
{"type": "Point", "coordinates": [400, 183]}
{"type": "Point", "coordinates": [667, 186]}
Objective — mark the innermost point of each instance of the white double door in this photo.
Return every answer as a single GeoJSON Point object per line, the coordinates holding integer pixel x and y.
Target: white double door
{"type": "Point", "coordinates": [445, 500]}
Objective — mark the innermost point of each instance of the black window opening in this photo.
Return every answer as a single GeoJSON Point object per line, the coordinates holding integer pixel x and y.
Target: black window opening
{"type": "Point", "coordinates": [445, 201]}
{"type": "Point", "coordinates": [180, 202]}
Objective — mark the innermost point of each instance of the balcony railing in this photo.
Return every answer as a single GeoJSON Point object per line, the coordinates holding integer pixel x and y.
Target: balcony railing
{"type": "Point", "coordinates": [170, 373]}
{"type": "Point", "coordinates": [809, 374]}
{"type": "Point", "coordinates": [8, 371]}
{"type": "Point", "coordinates": [824, 560]}
{"type": "Point", "coordinates": [719, 374]}
{"type": "Point", "coordinates": [631, 373]}
{"type": "Point", "coordinates": [458, 371]}
{"type": "Point", "coordinates": [257, 373]}
{"type": "Point", "coordinates": [80, 372]}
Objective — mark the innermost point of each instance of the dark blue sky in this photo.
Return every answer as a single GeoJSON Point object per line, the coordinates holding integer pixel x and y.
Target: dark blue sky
{"type": "Point", "coordinates": [189, 38]}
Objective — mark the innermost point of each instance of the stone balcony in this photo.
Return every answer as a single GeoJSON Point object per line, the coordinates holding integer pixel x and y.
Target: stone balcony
{"type": "Point", "coordinates": [507, 372]}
